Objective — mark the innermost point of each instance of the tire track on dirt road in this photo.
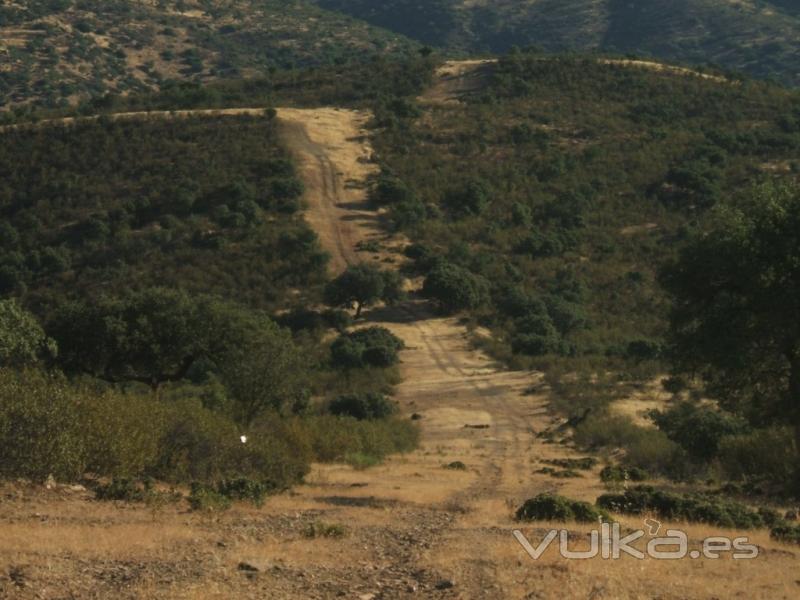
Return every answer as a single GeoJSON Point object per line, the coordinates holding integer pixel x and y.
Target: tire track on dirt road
{"type": "Point", "coordinates": [452, 385]}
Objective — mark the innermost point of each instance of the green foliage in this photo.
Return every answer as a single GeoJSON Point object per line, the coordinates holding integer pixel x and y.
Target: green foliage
{"type": "Point", "coordinates": [41, 429]}
{"type": "Point", "coordinates": [698, 428]}
{"type": "Point", "coordinates": [565, 225]}
{"type": "Point", "coordinates": [736, 293]}
{"type": "Point", "coordinates": [786, 532]}
{"type": "Point", "coordinates": [371, 346]}
{"type": "Point", "coordinates": [454, 288]}
{"type": "Point", "coordinates": [158, 335]}
{"type": "Point", "coordinates": [121, 489]}
{"type": "Point", "coordinates": [245, 489]}
{"type": "Point", "coordinates": [229, 40]}
{"type": "Point", "coordinates": [361, 286]}
{"type": "Point", "coordinates": [200, 445]}
{"type": "Point", "coordinates": [551, 507]}
{"type": "Point", "coordinates": [263, 369]}
{"type": "Point", "coordinates": [122, 435]}
{"type": "Point", "coordinates": [616, 474]}
{"type": "Point", "coordinates": [338, 438]}
{"type": "Point", "coordinates": [646, 449]}
{"type": "Point", "coordinates": [363, 406]}
{"type": "Point", "coordinates": [139, 212]}
{"type": "Point", "coordinates": [760, 455]}
{"type": "Point", "coordinates": [695, 508]}
{"type": "Point", "coordinates": [701, 33]}
{"type": "Point", "coordinates": [320, 529]}
{"type": "Point", "coordinates": [22, 340]}
{"type": "Point", "coordinates": [204, 498]}
{"type": "Point", "coordinates": [469, 200]}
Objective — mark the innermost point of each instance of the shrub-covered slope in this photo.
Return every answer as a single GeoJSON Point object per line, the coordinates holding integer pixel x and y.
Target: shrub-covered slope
{"type": "Point", "coordinates": [58, 51]}
{"type": "Point", "coordinates": [759, 38]}
{"type": "Point", "coordinates": [566, 182]}
{"type": "Point", "coordinates": [204, 204]}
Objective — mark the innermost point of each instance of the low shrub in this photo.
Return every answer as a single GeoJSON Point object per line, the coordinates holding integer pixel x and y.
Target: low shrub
{"type": "Point", "coordinates": [364, 406]}
{"type": "Point", "coordinates": [334, 438]}
{"type": "Point", "coordinates": [456, 465]}
{"type": "Point", "coordinates": [786, 532]}
{"type": "Point", "coordinates": [619, 474]}
{"type": "Point", "coordinates": [361, 461]}
{"type": "Point", "coordinates": [205, 498]}
{"type": "Point", "coordinates": [320, 529]}
{"type": "Point", "coordinates": [698, 508]}
{"type": "Point", "coordinates": [41, 427]}
{"type": "Point", "coordinates": [245, 489]}
{"type": "Point", "coordinates": [763, 454]}
{"type": "Point", "coordinates": [372, 346]}
{"type": "Point", "coordinates": [645, 448]}
{"type": "Point", "coordinates": [200, 445]}
{"type": "Point", "coordinates": [551, 507]}
{"type": "Point", "coordinates": [121, 489]}
{"type": "Point", "coordinates": [565, 474]}
{"type": "Point", "coordinates": [582, 464]}
{"type": "Point", "coordinates": [698, 428]}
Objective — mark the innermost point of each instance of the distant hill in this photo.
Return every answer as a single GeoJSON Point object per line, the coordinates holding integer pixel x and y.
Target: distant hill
{"type": "Point", "coordinates": [54, 52]}
{"type": "Point", "coordinates": [757, 37]}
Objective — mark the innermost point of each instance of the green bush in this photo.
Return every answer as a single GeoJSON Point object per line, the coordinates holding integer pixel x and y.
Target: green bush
{"type": "Point", "coordinates": [205, 498]}
{"type": "Point", "coordinates": [41, 427]}
{"type": "Point", "coordinates": [122, 434]}
{"type": "Point", "coordinates": [697, 508]}
{"type": "Point", "coordinates": [200, 445]}
{"type": "Point", "coordinates": [372, 346]}
{"type": "Point", "coordinates": [785, 532]}
{"type": "Point", "coordinates": [645, 448]}
{"type": "Point", "coordinates": [22, 340]}
{"type": "Point", "coordinates": [551, 507]}
{"type": "Point", "coordinates": [333, 438]}
{"type": "Point", "coordinates": [319, 529]}
{"type": "Point", "coordinates": [455, 288]}
{"type": "Point", "coordinates": [126, 490]}
{"type": "Point", "coordinates": [698, 428]}
{"type": "Point", "coordinates": [763, 454]}
{"type": "Point", "coordinates": [361, 461]}
{"type": "Point", "coordinates": [618, 474]}
{"type": "Point", "coordinates": [363, 406]}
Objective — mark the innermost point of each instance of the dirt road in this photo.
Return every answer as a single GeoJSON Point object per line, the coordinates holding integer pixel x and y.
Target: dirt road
{"type": "Point", "coordinates": [334, 156]}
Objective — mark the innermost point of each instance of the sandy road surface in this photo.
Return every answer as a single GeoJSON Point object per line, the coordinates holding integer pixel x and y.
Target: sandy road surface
{"type": "Point", "coordinates": [334, 156]}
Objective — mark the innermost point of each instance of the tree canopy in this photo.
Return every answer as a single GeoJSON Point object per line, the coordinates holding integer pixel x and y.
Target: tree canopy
{"type": "Point", "coordinates": [455, 288]}
{"type": "Point", "coordinates": [361, 286]}
{"type": "Point", "coordinates": [155, 336]}
{"type": "Point", "coordinates": [736, 315]}
{"type": "Point", "coordinates": [22, 340]}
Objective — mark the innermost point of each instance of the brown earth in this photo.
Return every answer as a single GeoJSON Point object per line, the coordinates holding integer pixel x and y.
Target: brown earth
{"type": "Point", "coordinates": [413, 528]}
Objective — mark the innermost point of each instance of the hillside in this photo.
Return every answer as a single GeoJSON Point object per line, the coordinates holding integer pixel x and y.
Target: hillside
{"type": "Point", "coordinates": [566, 182]}
{"type": "Point", "coordinates": [758, 38]}
{"type": "Point", "coordinates": [540, 196]}
{"type": "Point", "coordinates": [166, 200]}
{"type": "Point", "coordinates": [60, 51]}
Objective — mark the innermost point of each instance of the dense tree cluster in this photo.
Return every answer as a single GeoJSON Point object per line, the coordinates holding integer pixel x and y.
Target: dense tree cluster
{"type": "Point", "coordinates": [564, 182]}
{"type": "Point", "coordinates": [209, 205]}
